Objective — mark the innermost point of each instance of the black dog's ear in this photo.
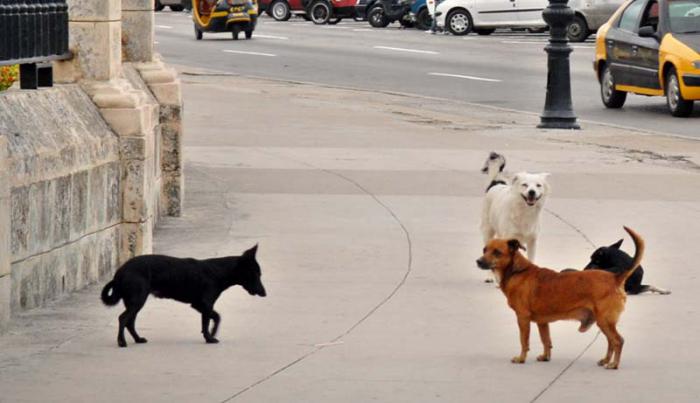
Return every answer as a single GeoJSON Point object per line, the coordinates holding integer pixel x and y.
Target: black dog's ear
{"type": "Point", "coordinates": [617, 244]}
{"type": "Point", "coordinates": [514, 245]}
{"type": "Point", "coordinates": [251, 252]}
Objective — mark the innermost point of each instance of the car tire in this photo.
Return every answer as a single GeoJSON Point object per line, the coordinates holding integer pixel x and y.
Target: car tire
{"type": "Point", "coordinates": [177, 7]}
{"type": "Point", "coordinates": [459, 22]}
{"type": "Point", "coordinates": [423, 19]}
{"type": "Point", "coordinates": [320, 12]}
{"type": "Point", "coordinates": [611, 97]}
{"type": "Point", "coordinates": [377, 18]}
{"type": "Point", "coordinates": [249, 34]}
{"type": "Point", "coordinates": [157, 6]}
{"type": "Point", "coordinates": [578, 31]}
{"type": "Point", "coordinates": [678, 106]}
{"type": "Point", "coordinates": [198, 34]}
{"type": "Point", "coordinates": [280, 11]}
{"type": "Point", "coordinates": [485, 31]}
{"type": "Point", "coordinates": [235, 30]}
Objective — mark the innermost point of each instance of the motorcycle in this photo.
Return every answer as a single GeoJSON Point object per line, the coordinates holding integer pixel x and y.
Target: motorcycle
{"type": "Point", "coordinates": [384, 12]}
{"type": "Point", "coordinates": [224, 16]}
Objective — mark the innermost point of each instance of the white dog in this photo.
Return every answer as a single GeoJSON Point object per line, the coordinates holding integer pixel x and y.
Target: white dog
{"type": "Point", "coordinates": [512, 206]}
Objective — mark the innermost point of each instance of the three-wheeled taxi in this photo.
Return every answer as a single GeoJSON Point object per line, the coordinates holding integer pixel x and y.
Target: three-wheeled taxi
{"type": "Point", "coordinates": [224, 16]}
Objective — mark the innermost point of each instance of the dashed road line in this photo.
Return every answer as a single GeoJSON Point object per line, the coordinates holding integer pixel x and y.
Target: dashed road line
{"type": "Point", "coordinates": [164, 26]}
{"type": "Point", "coordinates": [242, 52]}
{"type": "Point", "coordinates": [425, 52]}
{"type": "Point", "coordinates": [282, 38]}
{"type": "Point", "coordinates": [491, 80]}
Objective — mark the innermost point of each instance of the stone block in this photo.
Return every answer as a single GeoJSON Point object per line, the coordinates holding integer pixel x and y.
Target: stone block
{"type": "Point", "coordinates": [96, 198]}
{"type": "Point", "coordinates": [136, 186]}
{"type": "Point", "coordinates": [127, 122]}
{"type": "Point", "coordinates": [19, 235]}
{"type": "Point", "coordinates": [137, 5]}
{"type": "Point", "coordinates": [97, 49]}
{"type": "Point", "coordinates": [167, 93]}
{"type": "Point", "coordinates": [171, 147]}
{"type": "Point", "coordinates": [137, 35]}
{"type": "Point", "coordinates": [79, 204]}
{"type": "Point", "coordinates": [173, 194]}
{"type": "Point", "coordinates": [113, 200]}
{"type": "Point", "coordinates": [61, 211]}
{"type": "Point", "coordinates": [135, 239]}
{"type": "Point", "coordinates": [94, 10]}
{"type": "Point", "coordinates": [5, 301]}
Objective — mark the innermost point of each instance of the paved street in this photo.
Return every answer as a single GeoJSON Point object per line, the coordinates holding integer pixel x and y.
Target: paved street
{"type": "Point", "coordinates": [507, 69]}
{"type": "Point", "coordinates": [368, 231]}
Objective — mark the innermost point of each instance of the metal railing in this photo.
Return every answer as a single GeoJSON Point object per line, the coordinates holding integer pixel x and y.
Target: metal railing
{"type": "Point", "coordinates": [33, 33]}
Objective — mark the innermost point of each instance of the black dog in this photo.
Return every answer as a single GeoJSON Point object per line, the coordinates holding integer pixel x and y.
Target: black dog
{"type": "Point", "coordinates": [612, 259]}
{"type": "Point", "coordinates": [192, 281]}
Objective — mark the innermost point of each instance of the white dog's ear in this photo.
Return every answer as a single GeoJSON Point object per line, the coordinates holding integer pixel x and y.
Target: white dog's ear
{"type": "Point", "coordinates": [517, 178]}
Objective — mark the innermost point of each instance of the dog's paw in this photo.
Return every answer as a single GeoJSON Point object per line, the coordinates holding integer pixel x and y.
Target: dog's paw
{"type": "Point", "coordinates": [488, 280]}
{"type": "Point", "coordinates": [518, 360]}
{"type": "Point", "coordinates": [121, 343]}
{"type": "Point", "coordinates": [610, 365]}
{"type": "Point", "coordinates": [543, 358]}
{"type": "Point", "coordinates": [602, 362]}
{"type": "Point", "coordinates": [141, 340]}
{"type": "Point", "coordinates": [212, 340]}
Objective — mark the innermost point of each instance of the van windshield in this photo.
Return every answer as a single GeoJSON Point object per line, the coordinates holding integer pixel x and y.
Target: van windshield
{"type": "Point", "coordinates": [684, 16]}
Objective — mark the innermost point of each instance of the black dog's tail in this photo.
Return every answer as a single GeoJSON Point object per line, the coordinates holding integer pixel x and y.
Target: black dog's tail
{"type": "Point", "coordinates": [114, 297]}
{"type": "Point", "coordinates": [493, 167]}
{"type": "Point", "coordinates": [638, 253]}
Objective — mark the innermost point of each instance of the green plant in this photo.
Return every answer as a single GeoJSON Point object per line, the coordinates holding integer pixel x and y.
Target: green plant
{"type": "Point", "coordinates": [8, 75]}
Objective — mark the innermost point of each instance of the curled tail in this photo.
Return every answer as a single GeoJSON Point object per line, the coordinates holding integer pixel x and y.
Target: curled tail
{"type": "Point", "coordinates": [638, 253]}
{"type": "Point", "coordinates": [493, 167]}
{"type": "Point", "coordinates": [113, 298]}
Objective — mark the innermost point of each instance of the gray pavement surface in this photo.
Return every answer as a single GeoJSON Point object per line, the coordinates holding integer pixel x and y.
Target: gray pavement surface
{"type": "Point", "coordinates": [506, 69]}
{"type": "Point", "coordinates": [366, 208]}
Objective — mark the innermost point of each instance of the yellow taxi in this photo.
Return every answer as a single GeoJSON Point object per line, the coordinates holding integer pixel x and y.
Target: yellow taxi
{"type": "Point", "coordinates": [651, 47]}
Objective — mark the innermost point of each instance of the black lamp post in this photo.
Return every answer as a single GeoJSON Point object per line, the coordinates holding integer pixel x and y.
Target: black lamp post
{"type": "Point", "coordinates": [558, 110]}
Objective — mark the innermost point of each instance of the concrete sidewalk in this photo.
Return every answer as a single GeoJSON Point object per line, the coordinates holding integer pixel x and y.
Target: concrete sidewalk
{"type": "Point", "coordinates": [366, 208]}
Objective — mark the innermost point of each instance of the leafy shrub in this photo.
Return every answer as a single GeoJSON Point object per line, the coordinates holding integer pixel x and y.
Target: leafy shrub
{"type": "Point", "coordinates": [8, 75]}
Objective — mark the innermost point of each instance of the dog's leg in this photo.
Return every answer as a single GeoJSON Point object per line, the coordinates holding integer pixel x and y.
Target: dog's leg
{"type": "Point", "coordinates": [524, 325]}
{"type": "Point", "coordinates": [207, 314]}
{"type": "Point", "coordinates": [615, 342]}
{"type": "Point", "coordinates": [217, 319]}
{"type": "Point", "coordinates": [531, 248]}
{"type": "Point", "coordinates": [134, 308]}
{"type": "Point", "coordinates": [123, 320]}
{"type": "Point", "coordinates": [546, 342]}
{"type": "Point", "coordinates": [651, 288]}
{"type": "Point", "coordinates": [487, 233]}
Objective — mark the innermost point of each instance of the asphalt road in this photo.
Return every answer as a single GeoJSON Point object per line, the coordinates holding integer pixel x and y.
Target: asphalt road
{"type": "Point", "coordinates": [506, 69]}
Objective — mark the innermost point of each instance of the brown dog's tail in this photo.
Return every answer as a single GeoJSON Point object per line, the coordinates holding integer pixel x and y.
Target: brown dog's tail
{"type": "Point", "coordinates": [638, 253]}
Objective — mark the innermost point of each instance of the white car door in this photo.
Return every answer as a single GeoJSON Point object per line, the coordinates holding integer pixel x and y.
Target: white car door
{"type": "Point", "coordinates": [530, 12]}
{"type": "Point", "coordinates": [495, 12]}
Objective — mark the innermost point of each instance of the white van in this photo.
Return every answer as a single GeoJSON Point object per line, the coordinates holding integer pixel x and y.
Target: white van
{"type": "Point", "coordinates": [461, 17]}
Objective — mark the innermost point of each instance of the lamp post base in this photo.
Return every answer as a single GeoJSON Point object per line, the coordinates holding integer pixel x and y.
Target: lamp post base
{"type": "Point", "coordinates": [558, 123]}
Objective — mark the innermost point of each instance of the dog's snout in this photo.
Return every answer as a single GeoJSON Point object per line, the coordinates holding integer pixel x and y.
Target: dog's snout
{"type": "Point", "coordinates": [481, 263]}
{"type": "Point", "coordinates": [531, 193]}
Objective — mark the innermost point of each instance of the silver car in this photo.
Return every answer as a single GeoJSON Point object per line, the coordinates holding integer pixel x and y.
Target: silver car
{"type": "Point", "coordinates": [175, 5]}
{"type": "Point", "coordinates": [590, 15]}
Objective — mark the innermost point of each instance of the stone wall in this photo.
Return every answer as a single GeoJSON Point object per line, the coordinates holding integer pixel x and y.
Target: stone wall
{"type": "Point", "coordinates": [62, 167]}
{"type": "Point", "coordinates": [88, 167]}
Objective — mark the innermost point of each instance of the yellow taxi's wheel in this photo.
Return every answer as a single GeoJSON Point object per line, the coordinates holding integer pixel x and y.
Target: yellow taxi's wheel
{"type": "Point", "coordinates": [678, 106]}
{"type": "Point", "coordinates": [611, 97]}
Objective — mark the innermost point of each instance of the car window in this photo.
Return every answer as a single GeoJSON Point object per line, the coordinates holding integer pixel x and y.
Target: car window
{"type": "Point", "coordinates": [630, 16]}
{"type": "Point", "coordinates": [684, 16]}
{"type": "Point", "coordinates": [651, 15]}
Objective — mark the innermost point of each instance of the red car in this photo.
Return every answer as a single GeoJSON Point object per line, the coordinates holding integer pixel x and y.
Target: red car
{"type": "Point", "coordinates": [329, 11]}
{"type": "Point", "coordinates": [282, 10]}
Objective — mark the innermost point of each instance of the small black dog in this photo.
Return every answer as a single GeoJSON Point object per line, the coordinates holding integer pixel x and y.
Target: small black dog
{"type": "Point", "coordinates": [192, 281]}
{"type": "Point", "coordinates": [612, 259]}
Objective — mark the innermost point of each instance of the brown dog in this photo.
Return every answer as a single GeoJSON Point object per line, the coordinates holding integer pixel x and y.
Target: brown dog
{"type": "Point", "coordinates": [542, 295]}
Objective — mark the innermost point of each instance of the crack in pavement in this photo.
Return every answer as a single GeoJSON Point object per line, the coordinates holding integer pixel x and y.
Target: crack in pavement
{"type": "Point", "coordinates": [566, 368]}
{"type": "Point", "coordinates": [381, 303]}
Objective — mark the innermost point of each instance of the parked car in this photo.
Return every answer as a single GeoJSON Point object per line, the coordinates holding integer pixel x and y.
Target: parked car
{"type": "Point", "coordinates": [384, 12]}
{"type": "Point", "coordinates": [651, 47]}
{"type": "Point", "coordinates": [589, 16]}
{"type": "Point", "coordinates": [461, 17]}
{"type": "Point", "coordinates": [329, 11]}
{"type": "Point", "coordinates": [175, 5]}
{"type": "Point", "coordinates": [282, 10]}
{"type": "Point", "coordinates": [423, 19]}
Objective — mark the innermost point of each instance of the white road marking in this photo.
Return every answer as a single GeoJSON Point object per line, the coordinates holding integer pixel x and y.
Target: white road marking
{"type": "Point", "coordinates": [164, 26]}
{"type": "Point", "coordinates": [426, 52]}
{"type": "Point", "coordinates": [491, 80]}
{"type": "Point", "coordinates": [241, 52]}
{"type": "Point", "coordinates": [155, 42]}
{"type": "Point", "coordinates": [283, 38]}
